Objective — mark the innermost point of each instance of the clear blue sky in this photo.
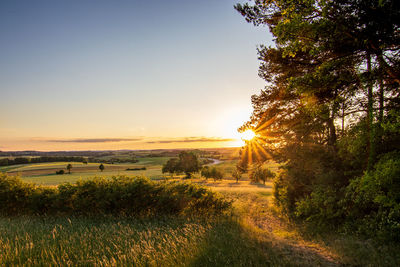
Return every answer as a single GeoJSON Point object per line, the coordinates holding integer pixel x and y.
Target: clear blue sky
{"type": "Point", "coordinates": [152, 71]}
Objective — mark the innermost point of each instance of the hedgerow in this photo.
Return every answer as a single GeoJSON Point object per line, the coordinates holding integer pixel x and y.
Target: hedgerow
{"type": "Point", "coordinates": [117, 195]}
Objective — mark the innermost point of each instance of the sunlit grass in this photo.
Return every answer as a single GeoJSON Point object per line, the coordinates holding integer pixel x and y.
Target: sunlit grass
{"type": "Point", "coordinates": [251, 235]}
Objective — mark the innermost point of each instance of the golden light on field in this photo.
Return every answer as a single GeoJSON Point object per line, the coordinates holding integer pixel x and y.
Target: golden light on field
{"type": "Point", "coordinates": [248, 135]}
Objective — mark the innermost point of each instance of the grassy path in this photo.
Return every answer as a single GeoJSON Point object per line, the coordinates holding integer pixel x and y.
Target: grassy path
{"type": "Point", "coordinates": [291, 246]}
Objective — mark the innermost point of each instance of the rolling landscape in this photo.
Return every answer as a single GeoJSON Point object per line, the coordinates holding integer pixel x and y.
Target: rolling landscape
{"type": "Point", "coordinates": [200, 133]}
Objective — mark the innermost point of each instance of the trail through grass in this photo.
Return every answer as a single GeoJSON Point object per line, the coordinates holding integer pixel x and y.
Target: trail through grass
{"type": "Point", "coordinates": [252, 234]}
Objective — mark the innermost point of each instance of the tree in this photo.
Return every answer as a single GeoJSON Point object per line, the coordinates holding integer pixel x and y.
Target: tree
{"type": "Point", "coordinates": [188, 163]}
{"type": "Point", "coordinates": [217, 174]}
{"type": "Point", "coordinates": [332, 90]}
{"type": "Point", "coordinates": [237, 175]}
{"type": "Point", "coordinates": [330, 58]}
{"type": "Point", "coordinates": [69, 167]}
{"type": "Point", "coordinates": [213, 172]}
{"type": "Point", "coordinates": [205, 172]}
{"type": "Point", "coordinates": [101, 167]}
{"type": "Point", "coordinates": [171, 166]}
{"type": "Point", "coordinates": [261, 174]}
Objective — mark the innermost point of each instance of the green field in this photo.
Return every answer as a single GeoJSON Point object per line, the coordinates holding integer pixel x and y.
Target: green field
{"type": "Point", "coordinates": [44, 173]}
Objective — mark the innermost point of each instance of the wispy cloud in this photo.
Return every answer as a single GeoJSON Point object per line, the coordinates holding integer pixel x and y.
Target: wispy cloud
{"type": "Point", "coordinates": [190, 140]}
{"type": "Point", "coordinates": [93, 140]}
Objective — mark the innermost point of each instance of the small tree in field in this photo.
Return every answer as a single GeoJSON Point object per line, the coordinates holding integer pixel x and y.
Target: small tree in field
{"type": "Point", "coordinates": [217, 174]}
{"type": "Point", "coordinates": [205, 172]}
{"type": "Point", "coordinates": [212, 173]}
{"type": "Point", "coordinates": [101, 167]}
{"type": "Point", "coordinates": [188, 163]}
{"type": "Point", "coordinates": [69, 167]}
{"type": "Point", "coordinates": [261, 174]}
{"type": "Point", "coordinates": [171, 166]}
{"type": "Point", "coordinates": [237, 175]}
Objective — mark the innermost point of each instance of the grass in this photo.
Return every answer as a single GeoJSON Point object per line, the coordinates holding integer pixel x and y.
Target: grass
{"type": "Point", "coordinates": [110, 241]}
{"type": "Point", "coordinates": [253, 234]}
{"type": "Point", "coordinates": [44, 173]}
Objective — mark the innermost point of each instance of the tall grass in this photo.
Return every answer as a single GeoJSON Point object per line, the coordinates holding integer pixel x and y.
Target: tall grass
{"type": "Point", "coordinates": [106, 241]}
{"type": "Point", "coordinates": [252, 234]}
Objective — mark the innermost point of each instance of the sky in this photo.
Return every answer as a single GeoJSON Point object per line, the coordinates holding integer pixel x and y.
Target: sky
{"type": "Point", "coordinates": [102, 74]}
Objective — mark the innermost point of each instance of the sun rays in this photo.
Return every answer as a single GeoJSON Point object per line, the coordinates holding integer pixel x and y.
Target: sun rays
{"type": "Point", "coordinates": [253, 150]}
{"type": "Point", "coordinates": [248, 135]}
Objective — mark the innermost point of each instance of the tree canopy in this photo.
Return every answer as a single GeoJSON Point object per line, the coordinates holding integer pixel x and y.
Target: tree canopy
{"type": "Point", "coordinates": [330, 104]}
{"type": "Point", "coordinates": [187, 163]}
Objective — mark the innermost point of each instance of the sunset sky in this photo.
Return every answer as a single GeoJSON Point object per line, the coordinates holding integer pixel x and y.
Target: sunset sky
{"type": "Point", "coordinates": [93, 74]}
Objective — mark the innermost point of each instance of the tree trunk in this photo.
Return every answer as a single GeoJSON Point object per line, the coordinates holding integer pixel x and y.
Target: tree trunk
{"type": "Point", "coordinates": [343, 116]}
{"type": "Point", "coordinates": [370, 116]}
{"type": "Point", "coordinates": [332, 132]}
{"type": "Point", "coordinates": [381, 97]}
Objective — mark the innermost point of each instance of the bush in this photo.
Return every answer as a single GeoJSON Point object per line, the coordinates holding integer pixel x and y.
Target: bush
{"type": "Point", "coordinates": [213, 172]}
{"type": "Point", "coordinates": [374, 198]}
{"type": "Point", "coordinates": [310, 168]}
{"type": "Point", "coordinates": [119, 196]}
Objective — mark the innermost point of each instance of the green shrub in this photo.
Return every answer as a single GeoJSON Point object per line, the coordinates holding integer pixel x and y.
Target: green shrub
{"type": "Point", "coordinates": [119, 195]}
{"type": "Point", "coordinates": [60, 172]}
{"type": "Point", "coordinates": [213, 172]}
{"type": "Point", "coordinates": [322, 208]}
{"type": "Point", "coordinates": [374, 199]}
{"type": "Point", "coordinates": [309, 169]}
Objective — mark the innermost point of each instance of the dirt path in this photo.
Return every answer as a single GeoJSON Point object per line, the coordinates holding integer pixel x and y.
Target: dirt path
{"type": "Point", "coordinates": [259, 216]}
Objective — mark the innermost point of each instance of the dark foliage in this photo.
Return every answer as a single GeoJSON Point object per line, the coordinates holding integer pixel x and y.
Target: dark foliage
{"type": "Point", "coordinates": [187, 163]}
{"type": "Point", "coordinates": [137, 169]}
{"type": "Point", "coordinates": [329, 113]}
{"type": "Point", "coordinates": [26, 160]}
{"type": "Point", "coordinates": [213, 172]}
{"type": "Point", "coordinates": [60, 172]}
{"type": "Point", "coordinates": [118, 196]}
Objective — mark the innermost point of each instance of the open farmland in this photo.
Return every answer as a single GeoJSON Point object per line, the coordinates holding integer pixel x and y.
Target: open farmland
{"type": "Point", "coordinates": [45, 173]}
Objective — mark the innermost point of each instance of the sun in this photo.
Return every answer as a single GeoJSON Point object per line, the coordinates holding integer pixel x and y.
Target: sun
{"type": "Point", "coordinates": [248, 135]}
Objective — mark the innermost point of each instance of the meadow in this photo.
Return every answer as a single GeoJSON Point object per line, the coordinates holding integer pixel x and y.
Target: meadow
{"type": "Point", "coordinates": [45, 173]}
{"type": "Point", "coordinates": [251, 233]}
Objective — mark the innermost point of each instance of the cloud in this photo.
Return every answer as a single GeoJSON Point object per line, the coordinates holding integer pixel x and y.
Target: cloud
{"type": "Point", "coordinates": [191, 140]}
{"type": "Point", "coordinates": [93, 140]}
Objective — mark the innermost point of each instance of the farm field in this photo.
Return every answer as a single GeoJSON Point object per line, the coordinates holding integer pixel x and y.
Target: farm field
{"type": "Point", "coordinates": [45, 173]}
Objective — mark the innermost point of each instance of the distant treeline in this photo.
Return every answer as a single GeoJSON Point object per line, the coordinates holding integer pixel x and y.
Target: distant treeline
{"type": "Point", "coordinates": [113, 160]}
{"type": "Point", "coordinates": [26, 160]}
{"type": "Point", "coordinates": [137, 169]}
